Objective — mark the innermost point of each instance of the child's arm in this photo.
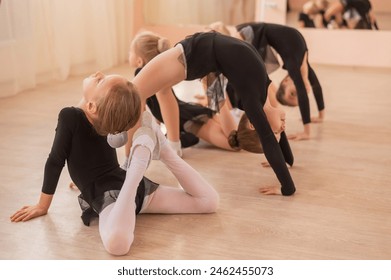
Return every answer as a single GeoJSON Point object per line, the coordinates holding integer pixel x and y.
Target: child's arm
{"type": "Point", "coordinates": [30, 212]}
{"type": "Point", "coordinates": [53, 167]}
{"type": "Point", "coordinates": [170, 112]}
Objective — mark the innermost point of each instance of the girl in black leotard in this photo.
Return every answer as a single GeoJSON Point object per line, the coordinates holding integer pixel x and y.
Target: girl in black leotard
{"type": "Point", "coordinates": [363, 8]}
{"type": "Point", "coordinates": [301, 79]}
{"type": "Point", "coordinates": [107, 191]}
{"type": "Point", "coordinates": [312, 12]}
{"type": "Point", "coordinates": [204, 53]}
{"type": "Point", "coordinates": [195, 121]}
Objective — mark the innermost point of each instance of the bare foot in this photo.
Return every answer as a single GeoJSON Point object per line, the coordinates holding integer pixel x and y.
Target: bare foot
{"type": "Point", "coordinates": [299, 136]}
{"type": "Point", "coordinates": [270, 190]}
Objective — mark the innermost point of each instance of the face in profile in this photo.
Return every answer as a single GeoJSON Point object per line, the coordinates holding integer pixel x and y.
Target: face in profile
{"type": "Point", "coordinates": [289, 92]}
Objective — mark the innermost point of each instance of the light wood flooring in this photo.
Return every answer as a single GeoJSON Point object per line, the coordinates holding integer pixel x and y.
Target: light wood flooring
{"type": "Point", "coordinates": [342, 208]}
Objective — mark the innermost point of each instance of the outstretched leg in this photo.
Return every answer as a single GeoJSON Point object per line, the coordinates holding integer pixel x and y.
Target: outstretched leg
{"type": "Point", "coordinates": [318, 93]}
{"type": "Point", "coordinates": [196, 195]}
{"type": "Point", "coordinates": [117, 220]}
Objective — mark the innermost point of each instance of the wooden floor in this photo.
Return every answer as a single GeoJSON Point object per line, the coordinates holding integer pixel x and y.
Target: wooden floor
{"type": "Point", "coordinates": [342, 208]}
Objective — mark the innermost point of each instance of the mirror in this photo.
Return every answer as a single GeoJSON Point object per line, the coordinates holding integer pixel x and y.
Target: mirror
{"type": "Point", "coordinates": [232, 12]}
{"type": "Point", "coordinates": [381, 10]}
{"type": "Point", "coordinates": [187, 15]}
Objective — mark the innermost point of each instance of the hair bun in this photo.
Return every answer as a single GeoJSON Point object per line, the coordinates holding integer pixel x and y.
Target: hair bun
{"type": "Point", "coordinates": [233, 140]}
{"type": "Point", "coordinates": [248, 139]}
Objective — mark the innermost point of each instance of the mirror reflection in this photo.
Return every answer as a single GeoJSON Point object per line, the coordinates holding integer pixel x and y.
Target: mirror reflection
{"type": "Point", "coordinates": [325, 14]}
{"type": "Point", "coordinates": [340, 14]}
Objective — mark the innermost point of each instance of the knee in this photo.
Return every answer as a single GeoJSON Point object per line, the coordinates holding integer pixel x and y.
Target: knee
{"type": "Point", "coordinates": [211, 203]}
{"type": "Point", "coordinates": [118, 243]}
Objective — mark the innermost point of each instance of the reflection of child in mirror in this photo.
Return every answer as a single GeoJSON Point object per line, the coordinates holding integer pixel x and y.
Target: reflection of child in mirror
{"type": "Point", "coordinates": [365, 18]}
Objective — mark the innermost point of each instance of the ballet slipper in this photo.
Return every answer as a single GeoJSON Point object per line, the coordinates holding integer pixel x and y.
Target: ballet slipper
{"type": "Point", "coordinates": [145, 137]}
{"type": "Point", "coordinates": [161, 140]}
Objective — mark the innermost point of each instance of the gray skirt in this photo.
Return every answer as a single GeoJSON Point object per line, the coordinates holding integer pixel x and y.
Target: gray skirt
{"type": "Point", "coordinates": [145, 188]}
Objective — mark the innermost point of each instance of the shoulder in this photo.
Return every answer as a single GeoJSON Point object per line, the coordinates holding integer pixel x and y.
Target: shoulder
{"type": "Point", "coordinates": [245, 24]}
{"type": "Point", "coordinates": [69, 112]}
{"type": "Point", "coordinates": [70, 115]}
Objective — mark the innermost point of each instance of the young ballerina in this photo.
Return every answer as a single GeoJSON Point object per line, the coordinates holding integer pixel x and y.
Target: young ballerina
{"type": "Point", "coordinates": [301, 78]}
{"type": "Point", "coordinates": [312, 14]}
{"type": "Point", "coordinates": [207, 52]}
{"type": "Point", "coordinates": [107, 191]}
{"type": "Point", "coordinates": [196, 121]}
{"type": "Point", "coordinates": [366, 20]}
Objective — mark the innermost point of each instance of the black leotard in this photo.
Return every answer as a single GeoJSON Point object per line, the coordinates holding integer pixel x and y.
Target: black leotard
{"type": "Point", "coordinates": [240, 63]}
{"type": "Point", "coordinates": [291, 46]}
{"type": "Point", "coordinates": [92, 163]}
{"type": "Point", "coordinates": [363, 7]}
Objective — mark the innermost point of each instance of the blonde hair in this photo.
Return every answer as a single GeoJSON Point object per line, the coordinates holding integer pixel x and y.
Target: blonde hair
{"type": "Point", "coordinates": [220, 27]}
{"type": "Point", "coordinates": [119, 110]}
{"type": "Point", "coordinates": [245, 138]}
{"type": "Point", "coordinates": [147, 45]}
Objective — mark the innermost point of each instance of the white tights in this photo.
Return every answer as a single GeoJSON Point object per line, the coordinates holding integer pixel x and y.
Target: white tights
{"type": "Point", "coordinates": [117, 221]}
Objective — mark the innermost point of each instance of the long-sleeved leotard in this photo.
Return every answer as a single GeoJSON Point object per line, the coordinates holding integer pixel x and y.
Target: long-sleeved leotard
{"type": "Point", "coordinates": [291, 46]}
{"type": "Point", "coordinates": [91, 162]}
{"type": "Point", "coordinates": [363, 7]}
{"type": "Point", "coordinates": [240, 63]}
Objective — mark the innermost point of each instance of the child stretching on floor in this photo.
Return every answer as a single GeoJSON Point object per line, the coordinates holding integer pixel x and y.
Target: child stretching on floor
{"type": "Point", "coordinates": [194, 58]}
{"type": "Point", "coordinates": [107, 191]}
{"type": "Point", "coordinates": [196, 121]}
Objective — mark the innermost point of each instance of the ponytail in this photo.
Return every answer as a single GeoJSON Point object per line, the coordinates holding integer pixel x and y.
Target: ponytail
{"type": "Point", "coordinates": [245, 138]}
